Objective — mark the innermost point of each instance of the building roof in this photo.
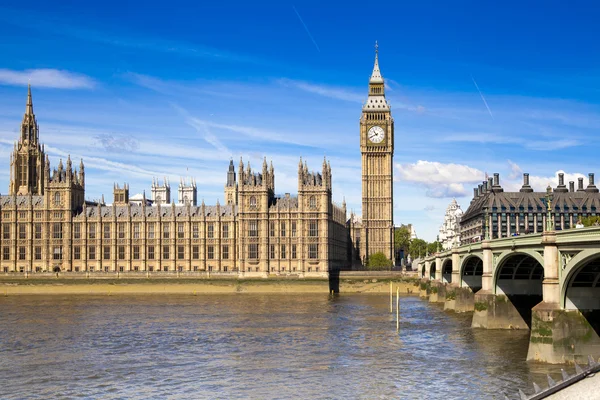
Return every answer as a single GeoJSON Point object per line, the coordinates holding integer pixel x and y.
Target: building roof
{"type": "Point", "coordinates": [563, 200]}
{"type": "Point", "coordinates": [21, 201]}
{"type": "Point", "coordinates": [165, 211]}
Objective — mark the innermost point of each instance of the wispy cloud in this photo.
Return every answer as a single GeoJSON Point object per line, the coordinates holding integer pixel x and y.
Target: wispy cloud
{"type": "Point", "coordinates": [53, 24]}
{"type": "Point", "coordinates": [202, 128]}
{"type": "Point", "coordinates": [324, 90]}
{"type": "Point", "coordinates": [50, 78]}
{"type": "Point", "coordinates": [117, 143]}
{"type": "Point", "coordinates": [306, 29]}
{"type": "Point", "coordinates": [543, 144]}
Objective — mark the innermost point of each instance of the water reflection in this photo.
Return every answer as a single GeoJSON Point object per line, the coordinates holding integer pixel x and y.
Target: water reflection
{"type": "Point", "coordinates": [253, 346]}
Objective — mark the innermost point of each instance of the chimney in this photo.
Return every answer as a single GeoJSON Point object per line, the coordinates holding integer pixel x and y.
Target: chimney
{"type": "Point", "coordinates": [496, 188]}
{"type": "Point", "coordinates": [561, 188]}
{"type": "Point", "coordinates": [479, 190]}
{"type": "Point", "coordinates": [571, 186]}
{"type": "Point", "coordinates": [526, 187]}
{"type": "Point", "coordinates": [591, 187]}
{"type": "Point", "coordinates": [485, 187]}
{"type": "Point", "coordinates": [580, 185]}
{"type": "Point", "coordinates": [474, 193]}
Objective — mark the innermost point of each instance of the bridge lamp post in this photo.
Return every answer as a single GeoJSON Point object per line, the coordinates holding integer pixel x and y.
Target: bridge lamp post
{"type": "Point", "coordinates": [549, 221]}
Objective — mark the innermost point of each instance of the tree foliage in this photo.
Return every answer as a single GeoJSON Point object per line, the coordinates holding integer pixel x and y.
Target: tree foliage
{"type": "Point", "coordinates": [378, 261]}
{"type": "Point", "coordinates": [434, 247]}
{"type": "Point", "coordinates": [591, 221]}
{"type": "Point", "coordinates": [402, 238]}
{"type": "Point", "coordinates": [418, 248]}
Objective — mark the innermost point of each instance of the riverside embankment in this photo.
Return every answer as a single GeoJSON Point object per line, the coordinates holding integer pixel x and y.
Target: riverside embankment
{"type": "Point", "coordinates": [346, 282]}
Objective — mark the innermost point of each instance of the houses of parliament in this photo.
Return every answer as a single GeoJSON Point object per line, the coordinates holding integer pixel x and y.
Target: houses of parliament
{"type": "Point", "coordinates": [48, 226]}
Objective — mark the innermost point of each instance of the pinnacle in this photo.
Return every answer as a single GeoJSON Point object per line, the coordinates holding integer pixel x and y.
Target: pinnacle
{"type": "Point", "coordinates": [29, 106]}
{"type": "Point", "coordinates": [376, 74]}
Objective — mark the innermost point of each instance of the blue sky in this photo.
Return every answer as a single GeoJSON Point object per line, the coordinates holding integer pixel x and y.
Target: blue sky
{"type": "Point", "coordinates": [154, 89]}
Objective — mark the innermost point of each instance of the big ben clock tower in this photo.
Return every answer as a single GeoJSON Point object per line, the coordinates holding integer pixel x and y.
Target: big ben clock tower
{"type": "Point", "coordinates": [377, 154]}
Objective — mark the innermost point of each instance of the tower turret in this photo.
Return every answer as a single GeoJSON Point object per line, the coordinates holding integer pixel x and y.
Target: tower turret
{"type": "Point", "coordinates": [27, 160]}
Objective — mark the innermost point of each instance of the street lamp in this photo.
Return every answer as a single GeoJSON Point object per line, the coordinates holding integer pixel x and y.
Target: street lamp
{"type": "Point", "coordinates": [549, 221]}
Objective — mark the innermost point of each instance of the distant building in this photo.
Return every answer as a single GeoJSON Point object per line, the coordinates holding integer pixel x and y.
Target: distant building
{"type": "Point", "coordinates": [449, 234]}
{"type": "Point", "coordinates": [523, 212]}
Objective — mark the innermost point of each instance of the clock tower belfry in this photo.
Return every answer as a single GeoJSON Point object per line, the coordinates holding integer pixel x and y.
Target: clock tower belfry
{"type": "Point", "coordinates": [377, 154]}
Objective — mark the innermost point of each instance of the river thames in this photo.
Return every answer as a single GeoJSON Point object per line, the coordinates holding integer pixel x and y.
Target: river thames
{"type": "Point", "coordinates": [300, 346]}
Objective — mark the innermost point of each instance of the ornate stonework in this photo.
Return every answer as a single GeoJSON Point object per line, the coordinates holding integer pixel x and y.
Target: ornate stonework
{"type": "Point", "coordinates": [48, 226]}
{"type": "Point", "coordinates": [449, 234]}
{"type": "Point", "coordinates": [377, 153]}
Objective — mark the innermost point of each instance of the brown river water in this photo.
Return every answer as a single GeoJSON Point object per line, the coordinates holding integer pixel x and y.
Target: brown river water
{"type": "Point", "coordinates": [301, 346]}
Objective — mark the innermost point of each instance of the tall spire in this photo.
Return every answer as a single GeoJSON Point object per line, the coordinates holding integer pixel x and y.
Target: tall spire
{"type": "Point", "coordinates": [29, 107]}
{"type": "Point", "coordinates": [376, 74]}
{"type": "Point", "coordinates": [376, 100]}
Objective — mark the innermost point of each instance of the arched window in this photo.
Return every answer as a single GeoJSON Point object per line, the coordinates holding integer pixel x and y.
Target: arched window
{"type": "Point", "coordinates": [252, 201]}
{"type": "Point", "coordinates": [312, 202]}
{"type": "Point", "coordinates": [56, 198]}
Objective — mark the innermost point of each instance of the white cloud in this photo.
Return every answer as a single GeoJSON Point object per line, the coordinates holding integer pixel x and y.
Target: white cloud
{"type": "Point", "coordinates": [515, 170]}
{"type": "Point", "coordinates": [441, 180]}
{"type": "Point", "coordinates": [51, 78]}
{"type": "Point", "coordinates": [514, 181]}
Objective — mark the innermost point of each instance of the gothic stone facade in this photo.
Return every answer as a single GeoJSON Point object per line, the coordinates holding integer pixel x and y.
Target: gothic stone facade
{"type": "Point", "coordinates": [48, 226]}
{"type": "Point", "coordinates": [374, 232]}
{"type": "Point", "coordinates": [525, 211]}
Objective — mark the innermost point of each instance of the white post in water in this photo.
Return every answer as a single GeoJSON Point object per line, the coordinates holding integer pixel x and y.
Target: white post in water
{"type": "Point", "coordinates": [397, 309]}
{"type": "Point", "coordinates": [391, 299]}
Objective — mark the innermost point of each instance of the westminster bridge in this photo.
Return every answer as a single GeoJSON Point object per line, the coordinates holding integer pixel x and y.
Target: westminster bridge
{"type": "Point", "coordinates": [548, 283]}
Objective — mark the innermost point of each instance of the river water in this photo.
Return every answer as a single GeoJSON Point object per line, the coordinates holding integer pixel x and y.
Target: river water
{"type": "Point", "coordinates": [253, 346]}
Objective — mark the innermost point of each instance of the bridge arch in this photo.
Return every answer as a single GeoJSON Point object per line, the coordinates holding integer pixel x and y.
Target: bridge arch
{"type": "Point", "coordinates": [519, 275]}
{"type": "Point", "coordinates": [447, 270]}
{"type": "Point", "coordinates": [423, 270]}
{"type": "Point", "coordinates": [580, 283]}
{"type": "Point", "coordinates": [432, 269]}
{"type": "Point", "coordinates": [471, 271]}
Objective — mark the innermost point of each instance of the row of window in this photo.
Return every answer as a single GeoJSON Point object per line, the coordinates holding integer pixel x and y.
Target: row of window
{"type": "Point", "coordinates": [37, 214]}
{"type": "Point", "coordinates": [165, 268]}
{"type": "Point", "coordinates": [57, 230]}
{"type": "Point", "coordinates": [313, 252]}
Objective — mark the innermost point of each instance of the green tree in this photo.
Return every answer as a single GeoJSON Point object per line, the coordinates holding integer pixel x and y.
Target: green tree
{"type": "Point", "coordinates": [402, 238]}
{"type": "Point", "coordinates": [378, 261]}
{"type": "Point", "coordinates": [590, 221]}
{"type": "Point", "coordinates": [434, 247]}
{"type": "Point", "coordinates": [418, 248]}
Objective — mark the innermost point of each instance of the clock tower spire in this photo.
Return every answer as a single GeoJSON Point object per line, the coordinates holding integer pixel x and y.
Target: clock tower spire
{"type": "Point", "coordinates": [377, 154]}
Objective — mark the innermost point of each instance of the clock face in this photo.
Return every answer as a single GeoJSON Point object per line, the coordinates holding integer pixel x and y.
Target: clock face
{"type": "Point", "coordinates": [376, 134]}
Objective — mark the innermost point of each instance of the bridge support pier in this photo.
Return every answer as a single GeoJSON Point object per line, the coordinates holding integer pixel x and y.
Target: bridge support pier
{"type": "Point", "coordinates": [459, 299]}
{"type": "Point", "coordinates": [424, 288]}
{"type": "Point", "coordinates": [496, 312]}
{"type": "Point", "coordinates": [559, 335]}
{"type": "Point", "coordinates": [563, 336]}
{"type": "Point", "coordinates": [437, 292]}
